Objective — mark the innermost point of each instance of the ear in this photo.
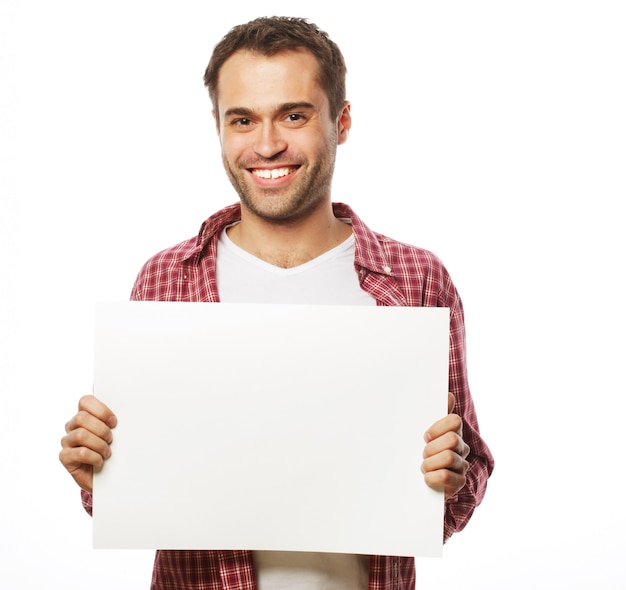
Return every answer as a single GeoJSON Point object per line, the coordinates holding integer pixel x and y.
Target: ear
{"type": "Point", "coordinates": [344, 122]}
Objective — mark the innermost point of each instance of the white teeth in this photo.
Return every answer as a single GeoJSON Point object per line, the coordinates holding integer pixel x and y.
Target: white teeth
{"type": "Point", "coordinates": [274, 173]}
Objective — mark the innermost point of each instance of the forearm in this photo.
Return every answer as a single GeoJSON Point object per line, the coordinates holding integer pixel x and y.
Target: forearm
{"type": "Point", "coordinates": [460, 507]}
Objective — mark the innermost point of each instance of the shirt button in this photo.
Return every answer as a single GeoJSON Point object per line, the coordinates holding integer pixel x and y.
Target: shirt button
{"type": "Point", "coordinates": [387, 269]}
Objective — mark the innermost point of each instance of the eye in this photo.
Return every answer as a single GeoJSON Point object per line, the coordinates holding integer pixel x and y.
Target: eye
{"type": "Point", "coordinates": [242, 122]}
{"type": "Point", "coordinates": [295, 118]}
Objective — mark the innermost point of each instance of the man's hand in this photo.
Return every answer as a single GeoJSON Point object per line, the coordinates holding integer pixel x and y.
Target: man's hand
{"type": "Point", "coordinates": [87, 444]}
{"type": "Point", "coordinates": [444, 464]}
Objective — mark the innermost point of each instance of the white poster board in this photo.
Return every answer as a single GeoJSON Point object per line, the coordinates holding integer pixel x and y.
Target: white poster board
{"type": "Point", "coordinates": [270, 427]}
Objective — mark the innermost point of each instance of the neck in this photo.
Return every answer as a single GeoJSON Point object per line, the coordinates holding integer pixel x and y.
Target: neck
{"type": "Point", "coordinates": [289, 244]}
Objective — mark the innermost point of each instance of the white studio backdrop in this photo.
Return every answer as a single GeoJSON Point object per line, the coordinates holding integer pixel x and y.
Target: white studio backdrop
{"type": "Point", "coordinates": [491, 133]}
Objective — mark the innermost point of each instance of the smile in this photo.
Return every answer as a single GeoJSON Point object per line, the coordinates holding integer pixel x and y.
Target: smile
{"type": "Point", "coordinates": [273, 173]}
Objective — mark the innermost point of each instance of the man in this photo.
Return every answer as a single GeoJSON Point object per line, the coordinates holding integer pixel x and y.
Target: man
{"type": "Point", "coordinates": [277, 86]}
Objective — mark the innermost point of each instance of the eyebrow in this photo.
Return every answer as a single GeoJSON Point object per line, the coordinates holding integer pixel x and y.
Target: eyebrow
{"type": "Point", "coordinates": [241, 111]}
{"type": "Point", "coordinates": [283, 108]}
{"type": "Point", "coordinates": [296, 106]}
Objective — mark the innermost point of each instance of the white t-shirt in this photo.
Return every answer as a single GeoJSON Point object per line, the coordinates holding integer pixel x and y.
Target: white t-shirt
{"type": "Point", "coordinates": [329, 279]}
{"type": "Point", "coordinates": [294, 570]}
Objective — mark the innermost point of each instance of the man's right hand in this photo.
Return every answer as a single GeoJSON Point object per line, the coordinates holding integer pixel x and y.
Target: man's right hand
{"type": "Point", "coordinates": [87, 444]}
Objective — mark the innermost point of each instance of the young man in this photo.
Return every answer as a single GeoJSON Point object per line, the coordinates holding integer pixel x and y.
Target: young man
{"type": "Point", "coordinates": [277, 86]}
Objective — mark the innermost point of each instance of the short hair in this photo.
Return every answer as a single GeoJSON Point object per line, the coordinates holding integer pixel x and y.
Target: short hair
{"type": "Point", "coordinates": [269, 36]}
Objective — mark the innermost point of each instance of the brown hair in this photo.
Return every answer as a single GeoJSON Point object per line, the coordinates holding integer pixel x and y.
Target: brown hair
{"type": "Point", "coordinates": [272, 35]}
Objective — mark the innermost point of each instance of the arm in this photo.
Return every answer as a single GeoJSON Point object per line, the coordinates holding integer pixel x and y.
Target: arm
{"type": "Point", "coordinates": [87, 442]}
{"type": "Point", "coordinates": [456, 458]}
{"type": "Point", "coordinates": [454, 467]}
{"type": "Point", "coordinates": [445, 465]}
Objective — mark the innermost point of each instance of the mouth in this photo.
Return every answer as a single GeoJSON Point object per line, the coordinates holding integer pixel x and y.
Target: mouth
{"type": "Point", "coordinates": [272, 173]}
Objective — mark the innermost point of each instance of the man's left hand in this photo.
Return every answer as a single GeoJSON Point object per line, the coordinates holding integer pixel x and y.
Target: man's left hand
{"type": "Point", "coordinates": [445, 454]}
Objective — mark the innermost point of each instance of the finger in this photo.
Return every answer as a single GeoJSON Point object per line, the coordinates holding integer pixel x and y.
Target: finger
{"type": "Point", "coordinates": [446, 460]}
{"type": "Point", "coordinates": [93, 406]}
{"type": "Point", "coordinates": [447, 481]}
{"type": "Point", "coordinates": [81, 453]}
{"type": "Point", "coordinates": [74, 460]}
{"type": "Point", "coordinates": [449, 441]}
{"type": "Point", "coordinates": [94, 416]}
{"type": "Point", "coordinates": [84, 439]}
{"type": "Point", "coordinates": [451, 423]}
{"type": "Point", "coordinates": [451, 401]}
{"type": "Point", "coordinates": [84, 422]}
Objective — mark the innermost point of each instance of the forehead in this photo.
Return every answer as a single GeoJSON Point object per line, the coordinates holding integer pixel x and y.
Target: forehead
{"type": "Point", "coordinates": [249, 79]}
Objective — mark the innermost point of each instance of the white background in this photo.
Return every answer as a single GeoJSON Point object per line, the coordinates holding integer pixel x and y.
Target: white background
{"type": "Point", "coordinates": [492, 133]}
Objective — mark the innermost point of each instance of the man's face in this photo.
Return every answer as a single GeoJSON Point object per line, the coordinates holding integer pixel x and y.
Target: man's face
{"type": "Point", "coordinates": [277, 135]}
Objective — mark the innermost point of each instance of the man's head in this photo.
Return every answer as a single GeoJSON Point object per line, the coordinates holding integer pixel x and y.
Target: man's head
{"type": "Point", "coordinates": [279, 116]}
{"type": "Point", "coordinates": [269, 36]}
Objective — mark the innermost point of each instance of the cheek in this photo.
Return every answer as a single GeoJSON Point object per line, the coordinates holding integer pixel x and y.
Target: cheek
{"type": "Point", "coordinates": [232, 147]}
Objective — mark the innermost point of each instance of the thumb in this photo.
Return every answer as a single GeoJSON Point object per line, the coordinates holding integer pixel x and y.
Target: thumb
{"type": "Point", "coordinates": [451, 400]}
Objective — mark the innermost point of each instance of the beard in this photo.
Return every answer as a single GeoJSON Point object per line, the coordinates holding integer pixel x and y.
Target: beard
{"type": "Point", "coordinates": [289, 204]}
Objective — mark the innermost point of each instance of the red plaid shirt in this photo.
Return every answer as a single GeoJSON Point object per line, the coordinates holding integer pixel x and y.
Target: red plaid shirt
{"type": "Point", "coordinates": [394, 274]}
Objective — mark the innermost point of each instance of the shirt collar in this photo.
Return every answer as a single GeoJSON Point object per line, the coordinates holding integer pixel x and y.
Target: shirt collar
{"type": "Point", "coordinates": [368, 252]}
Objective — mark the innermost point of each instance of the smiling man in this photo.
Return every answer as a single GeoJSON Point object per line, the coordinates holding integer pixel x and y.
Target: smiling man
{"type": "Point", "coordinates": [277, 86]}
{"type": "Point", "coordinates": [279, 138]}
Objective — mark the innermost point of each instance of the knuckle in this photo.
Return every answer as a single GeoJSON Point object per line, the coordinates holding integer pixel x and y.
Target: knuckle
{"type": "Point", "coordinates": [66, 442]}
{"type": "Point", "coordinates": [441, 477]}
{"type": "Point", "coordinates": [431, 479]}
{"type": "Point", "coordinates": [80, 437]}
{"type": "Point", "coordinates": [84, 417]}
{"type": "Point", "coordinates": [84, 455]}
{"type": "Point", "coordinates": [85, 401]}
{"type": "Point", "coordinates": [450, 458]}
{"type": "Point", "coordinates": [78, 420]}
{"type": "Point", "coordinates": [452, 439]}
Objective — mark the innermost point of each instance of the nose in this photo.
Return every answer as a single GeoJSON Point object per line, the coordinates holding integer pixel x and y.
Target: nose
{"type": "Point", "coordinates": [269, 141]}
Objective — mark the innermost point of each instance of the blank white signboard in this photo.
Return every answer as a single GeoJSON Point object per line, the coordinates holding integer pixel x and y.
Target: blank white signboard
{"type": "Point", "coordinates": [270, 427]}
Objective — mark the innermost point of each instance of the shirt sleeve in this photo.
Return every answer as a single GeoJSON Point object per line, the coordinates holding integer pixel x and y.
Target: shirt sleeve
{"type": "Point", "coordinates": [460, 507]}
{"type": "Point", "coordinates": [87, 500]}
